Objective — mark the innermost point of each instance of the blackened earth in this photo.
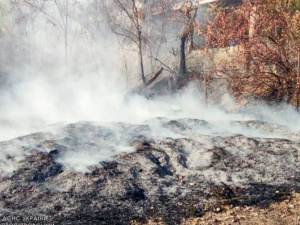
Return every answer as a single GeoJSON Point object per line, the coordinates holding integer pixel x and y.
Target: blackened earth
{"type": "Point", "coordinates": [181, 175]}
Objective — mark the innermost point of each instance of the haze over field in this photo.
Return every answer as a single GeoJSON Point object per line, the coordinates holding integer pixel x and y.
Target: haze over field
{"type": "Point", "coordinates": [113, 112]}
{"type": "Point", "coordinates": [40, 87]}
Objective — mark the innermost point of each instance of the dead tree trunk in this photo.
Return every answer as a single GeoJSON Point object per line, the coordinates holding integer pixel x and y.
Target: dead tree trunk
{"type": "Point", "coordinates": [182, 64]}
{"type": "Point", "coordinates": [156, 75]}
{"type": "Point", "coordinates": [187, 34]}
{"type": "Point", "coordinates": [141, 57]}
{"type": "Point", "coordinates": [296, 98]}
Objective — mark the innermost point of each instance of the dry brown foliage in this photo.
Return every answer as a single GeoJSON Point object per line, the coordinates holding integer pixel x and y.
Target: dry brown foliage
{"type": "Point", "coordinates": [266, 36]}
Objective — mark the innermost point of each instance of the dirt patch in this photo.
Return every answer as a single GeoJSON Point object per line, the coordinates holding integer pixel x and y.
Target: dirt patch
{"type": "Point", "coordinates": [285, 212]}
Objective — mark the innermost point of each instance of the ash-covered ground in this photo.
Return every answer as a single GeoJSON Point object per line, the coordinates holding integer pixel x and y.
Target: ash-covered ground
{"type": "Point", "coordinates": [172, 169]}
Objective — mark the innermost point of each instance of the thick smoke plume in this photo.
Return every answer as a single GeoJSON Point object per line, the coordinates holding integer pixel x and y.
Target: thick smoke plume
{"type": "Point", "coordinates": [42, 91]}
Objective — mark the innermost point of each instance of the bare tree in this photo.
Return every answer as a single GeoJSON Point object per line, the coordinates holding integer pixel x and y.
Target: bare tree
{"type": "Point", "coordinates": [125, 20]}
{"type": "Point", "coordinates": [17, 32]}
{"type": "Point", "coordinates": [187, 16]}
{"type": "Point", "coordinates": [134, 21]}
{"type": "Point", "coordinates": [60, 18]}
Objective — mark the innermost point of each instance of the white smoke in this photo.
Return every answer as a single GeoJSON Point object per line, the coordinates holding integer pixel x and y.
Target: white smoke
{"type": "Point", "coordinates": [92, 87]}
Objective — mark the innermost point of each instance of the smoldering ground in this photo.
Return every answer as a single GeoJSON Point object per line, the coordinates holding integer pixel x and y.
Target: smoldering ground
{"type": "Point", "coordinates": [41, 92]}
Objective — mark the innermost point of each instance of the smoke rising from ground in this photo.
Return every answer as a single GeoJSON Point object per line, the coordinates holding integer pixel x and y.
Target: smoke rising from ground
{"type": "Point", "coordinates": [44, 107]}
{"type": "Point", "coordinates": [41, 91]}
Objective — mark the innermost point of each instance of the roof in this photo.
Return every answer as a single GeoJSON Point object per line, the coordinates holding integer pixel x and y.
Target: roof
{"type": "Point", "coordinates": [203, 2]}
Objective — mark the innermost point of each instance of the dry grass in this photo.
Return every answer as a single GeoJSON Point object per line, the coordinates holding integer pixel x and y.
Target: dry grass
{"type": "Point", "coordinates": [286, 212]}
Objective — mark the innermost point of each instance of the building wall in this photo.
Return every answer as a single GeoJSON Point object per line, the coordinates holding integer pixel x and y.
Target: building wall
{"type": "Point", "coordinates": [201, 60]}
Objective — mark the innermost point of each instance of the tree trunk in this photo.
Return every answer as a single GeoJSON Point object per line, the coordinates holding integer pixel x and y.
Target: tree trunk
{"type": "Point", "coordinates": [141, 57]}
{"type": "Point", "coordinates": [66, 31]}
{"type": "Point", "coordinates": [252, 22]}
{"type": "Point", "coordinates": [66, 46]}
{"type": "Point", "coordinates": [182, 65]}
{"type": "Point", "coordinates": [296, 97]}
{"type": "Point", "coordinates": [191, 31]}
{"type": "Point", "coordinates": [155, 76]}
